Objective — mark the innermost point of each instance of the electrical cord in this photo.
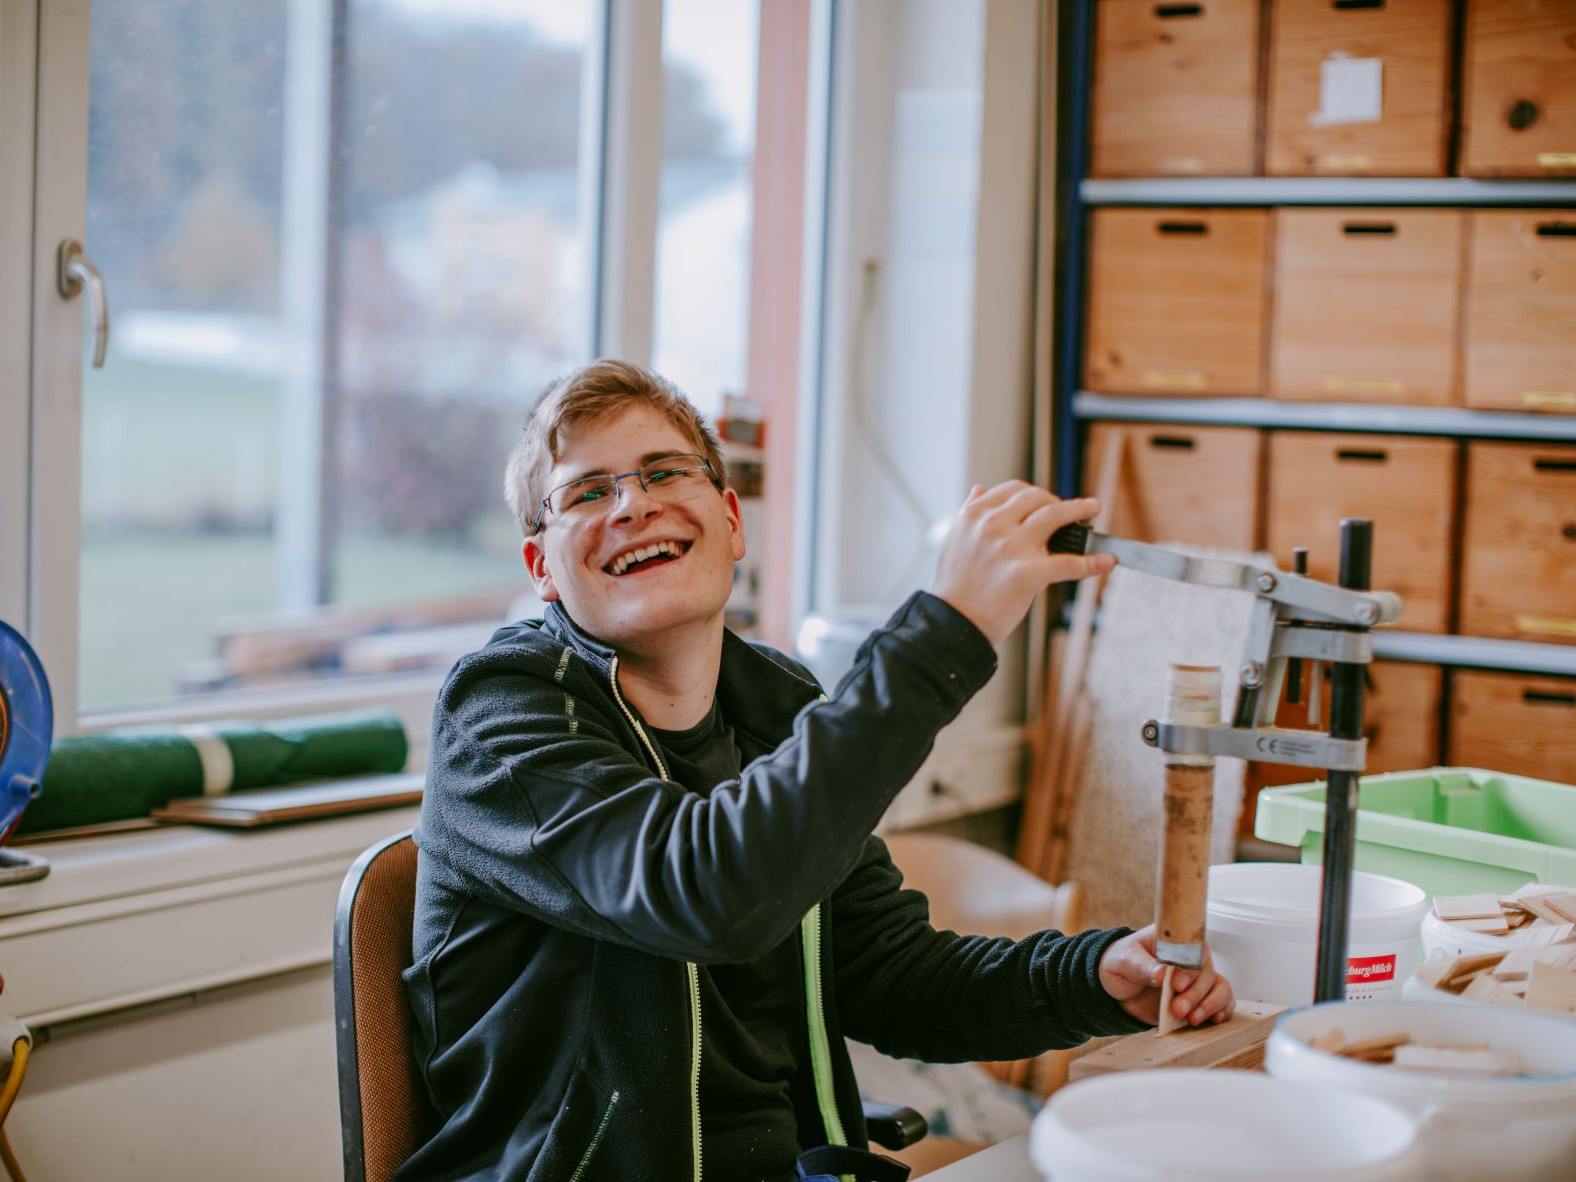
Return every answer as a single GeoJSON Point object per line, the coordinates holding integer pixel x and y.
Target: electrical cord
{"type": "Point", "coordinates": [8, 1158]}
{"type": "Point", "coordinates": [13, 1084]}
{"type": "Point", "coordinates": [20, 1050]}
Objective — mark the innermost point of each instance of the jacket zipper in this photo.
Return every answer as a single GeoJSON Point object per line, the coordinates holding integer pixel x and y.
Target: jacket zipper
{"type": "Point", "coordinates": [815, 1004]}
{"type": "Point", "coordinates": [596, 1138]}
{"type": "Point", "coordinates": [820, 1050]}
{"type": "Point", "coordinates": [691, 972]}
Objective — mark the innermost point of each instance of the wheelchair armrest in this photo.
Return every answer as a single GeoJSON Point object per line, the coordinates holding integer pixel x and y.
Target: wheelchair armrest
{"type": "Point", "coordinates": [893, 1126]}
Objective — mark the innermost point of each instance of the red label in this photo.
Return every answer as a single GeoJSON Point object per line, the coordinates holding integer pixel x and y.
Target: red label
{"type": "Point", "coordinates": [1361, 970]}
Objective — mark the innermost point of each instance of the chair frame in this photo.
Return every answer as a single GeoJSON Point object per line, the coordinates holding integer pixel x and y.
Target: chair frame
{"type": "Point", "coordinates": [352, 1121]}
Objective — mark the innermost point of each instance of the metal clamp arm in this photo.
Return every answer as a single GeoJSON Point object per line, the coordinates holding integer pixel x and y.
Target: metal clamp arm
{"type": "Point", "coordinates": [1306, 597]}
{"type": "Point", "coordinates": [1271, 744]}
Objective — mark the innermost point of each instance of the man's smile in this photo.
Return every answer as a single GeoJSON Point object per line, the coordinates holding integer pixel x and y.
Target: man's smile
{"type": "Point", "coordinates": [646, 556]}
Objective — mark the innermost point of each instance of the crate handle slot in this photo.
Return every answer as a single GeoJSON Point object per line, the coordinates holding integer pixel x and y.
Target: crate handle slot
{"type": "Point", "coordinates": [1543, 464]}
{"type": "Point", "coordinates": [1346, 5]}
{"type": "Point", "coordinates": [1557, 230]}
{"type": "Point", "coordinates": [1384, 229]}
{"type": "Point", "coordinates": [1179, 442]}
{"type": "Point", "coordinates": [1522, 115]}
{"type": "Point", "coordinates": [1363, 455]}
{"type": "Point", "coordinates": [1182, 227]}
{"type": "Point", "coordinates": [1544, 698]}
{"type": "Point", "coordinates": [1166, 11]}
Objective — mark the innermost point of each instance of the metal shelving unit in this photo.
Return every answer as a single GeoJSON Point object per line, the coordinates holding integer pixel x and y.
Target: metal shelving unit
{"type": "Point", "coordinates": [1476, 652]}
{"type": "Point", "coordinates": [1073, 405]}
{"type": "Point", "coordinates": [1282, 190]}
{"type": "Point", "coordinates": [1376, 418]}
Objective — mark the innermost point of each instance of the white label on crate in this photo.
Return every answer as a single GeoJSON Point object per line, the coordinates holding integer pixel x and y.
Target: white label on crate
{"type": "Point", "coordinates": [1351, 90]}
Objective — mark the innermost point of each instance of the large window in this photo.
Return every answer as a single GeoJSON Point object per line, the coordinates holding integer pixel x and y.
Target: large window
{"type": "Point", "coordinates": [703, 228]}
{"type": "Point", "coordinates": [342, 259]}
{"type": "Point", "coordinates": [345, 243]}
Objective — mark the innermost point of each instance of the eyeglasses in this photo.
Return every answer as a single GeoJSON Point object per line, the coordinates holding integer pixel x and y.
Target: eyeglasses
{"type": "Point", "coordinates": [667, 478]}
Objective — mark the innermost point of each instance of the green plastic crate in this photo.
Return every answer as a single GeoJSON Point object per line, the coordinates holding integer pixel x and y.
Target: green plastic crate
{"type": "Point", "coordinates": [1449, 830]}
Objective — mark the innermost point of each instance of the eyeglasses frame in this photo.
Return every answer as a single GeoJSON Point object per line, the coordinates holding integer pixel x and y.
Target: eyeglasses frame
{"type": "Point", "coordinates": [614, 478]}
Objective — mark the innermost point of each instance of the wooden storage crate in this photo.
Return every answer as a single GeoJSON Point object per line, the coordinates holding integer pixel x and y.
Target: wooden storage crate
{"type": "Point", "coordinates": [1515, 723]}
{"type": "Point", "coordinates": [1405, 486]}
{"type": "Point", "coordinates": [1518, 569]}
{"type": "Point", "coordinates": [1518, 103]}
{"type": "Point", "coordinates": [1402, 708]}
{"type": "Point", "coordinates": [1319, 55]}
{"type": "Point", "coordinates": [1520, 346]}
{"type": "Point", "coordinates": [1365, 305]}
{"type": "Point", "coordinates": [1176, 88]}
{"type": "Point", "coordinates": [1177, 301]}
{"type": "Point", "coordinates": [1198, 485]}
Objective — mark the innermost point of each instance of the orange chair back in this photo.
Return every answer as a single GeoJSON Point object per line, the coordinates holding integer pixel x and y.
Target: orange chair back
{"type": "Point", "coordinates": [384, 1112]}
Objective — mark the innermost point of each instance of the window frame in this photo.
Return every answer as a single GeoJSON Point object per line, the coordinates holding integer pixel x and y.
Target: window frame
{"type": "Point", "coordinates": [18, 39]}
{"type": "Point", "coordinates": [44, 84]}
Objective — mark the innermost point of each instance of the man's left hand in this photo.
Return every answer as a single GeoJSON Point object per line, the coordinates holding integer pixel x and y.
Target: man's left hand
{"type": "Point", "coordinates": [1131, 974]}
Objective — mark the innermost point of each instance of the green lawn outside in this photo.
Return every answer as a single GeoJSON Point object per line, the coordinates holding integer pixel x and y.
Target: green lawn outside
{"type": "Point", "coordinates": [166, 445]}
{"type": "Point", "coordinates": [173, 459]}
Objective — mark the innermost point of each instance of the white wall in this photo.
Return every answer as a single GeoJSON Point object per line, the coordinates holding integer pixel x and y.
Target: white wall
{"type": "Point", "coordinates": [237, 1084]}
{"type": "Point", "coordinates": [927, 340]}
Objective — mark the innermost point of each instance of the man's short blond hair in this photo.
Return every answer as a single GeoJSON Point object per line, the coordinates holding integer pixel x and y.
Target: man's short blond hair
{"type": "Point", "coordinates": [601, 390]}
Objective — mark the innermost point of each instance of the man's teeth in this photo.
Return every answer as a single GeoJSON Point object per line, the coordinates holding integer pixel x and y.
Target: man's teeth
{"type": "Point", "coordinates": [624, 561]}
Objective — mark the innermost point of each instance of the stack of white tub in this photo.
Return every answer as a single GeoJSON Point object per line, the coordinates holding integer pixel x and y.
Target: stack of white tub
{"type": "Point", "coordinates": [1515, 1128]}
{"type": "Point", "coordinates": [1205, 1126]}
{"type": "Point", "coordinates": [1317, 1116]}
{"type": "Point", "coordinates": [1442, 942]}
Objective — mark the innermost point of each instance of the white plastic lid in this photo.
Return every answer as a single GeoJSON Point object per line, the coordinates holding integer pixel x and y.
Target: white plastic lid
{"type": "Point", "coordinates": [1247, 894]}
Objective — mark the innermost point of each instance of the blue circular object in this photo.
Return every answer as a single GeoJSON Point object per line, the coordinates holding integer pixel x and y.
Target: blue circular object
{"type": "Point", "coordinates": [27, 723]}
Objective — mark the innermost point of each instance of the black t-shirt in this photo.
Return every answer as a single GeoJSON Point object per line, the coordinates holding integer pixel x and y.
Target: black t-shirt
{"type": "Point", "coordinates": [752, 1014]}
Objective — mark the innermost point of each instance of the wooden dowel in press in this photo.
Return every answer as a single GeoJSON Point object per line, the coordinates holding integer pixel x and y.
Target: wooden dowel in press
{"type": "Point", "coordinates": [1182, 886]}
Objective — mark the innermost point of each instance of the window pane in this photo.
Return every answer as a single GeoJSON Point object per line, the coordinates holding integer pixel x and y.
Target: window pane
{"type": "Point", "coordinates": [429, 245]}
{"type": "Point", "coordinates": [703, 229]}
{"type": "Point", "coordinates": [464, 250]}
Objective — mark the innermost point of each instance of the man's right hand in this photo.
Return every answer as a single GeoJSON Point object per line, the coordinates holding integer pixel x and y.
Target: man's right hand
{"type": "Point", "coordinates": [994, 561]}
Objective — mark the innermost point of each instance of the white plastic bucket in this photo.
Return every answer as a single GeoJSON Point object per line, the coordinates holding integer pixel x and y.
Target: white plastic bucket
{"type": "Point", "coordinates": [1423, 985]}
{"type": "Point", "coordinates": [1448, 939]}
{"type": "Point", "coordinates": [1205, 1126]}
{"type": "Point", "coordinates": [1451, 939]}
{"type": "Point", "coordinates": [1264, 931]}
{"type": "Point", "coordinates": [1508, 1128]}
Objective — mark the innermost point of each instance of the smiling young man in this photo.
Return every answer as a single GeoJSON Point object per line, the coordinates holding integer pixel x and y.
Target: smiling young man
{"type": "Point", "coordinates": [649, 902]}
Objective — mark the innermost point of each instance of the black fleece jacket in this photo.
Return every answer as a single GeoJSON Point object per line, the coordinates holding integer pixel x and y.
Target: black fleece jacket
{"type": "Point", "coordinates": [566, 889]}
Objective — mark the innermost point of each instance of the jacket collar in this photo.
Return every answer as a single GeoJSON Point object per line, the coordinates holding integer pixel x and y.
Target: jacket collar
{"type": "Point", "coordinates": [758, 693]}
{"type": "Point", "coordinates": [566, 631]}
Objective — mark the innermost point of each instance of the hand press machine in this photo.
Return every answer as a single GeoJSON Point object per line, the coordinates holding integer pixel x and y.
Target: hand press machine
{"type": "Point", "coordinates": [1294, 618]}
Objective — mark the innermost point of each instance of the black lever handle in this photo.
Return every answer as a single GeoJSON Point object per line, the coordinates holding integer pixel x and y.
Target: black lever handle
{"type": "Point", "coordinates": [1299, 565]}
{"type": "Point", "coordinates": [1070, 539]}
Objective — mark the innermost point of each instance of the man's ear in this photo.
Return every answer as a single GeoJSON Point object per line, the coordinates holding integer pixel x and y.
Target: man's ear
{"type": "Point", "coordinates": [535, 556]}
{"type": "Point", "coordinates": [730, 500]}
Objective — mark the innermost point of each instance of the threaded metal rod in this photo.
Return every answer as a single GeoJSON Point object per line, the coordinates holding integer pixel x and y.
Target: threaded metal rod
{"type": "Point", "coordinates": [1340, 798]}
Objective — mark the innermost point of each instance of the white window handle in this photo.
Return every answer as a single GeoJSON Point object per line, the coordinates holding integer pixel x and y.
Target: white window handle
{"type": "Point", "coordinates": [74, 272]}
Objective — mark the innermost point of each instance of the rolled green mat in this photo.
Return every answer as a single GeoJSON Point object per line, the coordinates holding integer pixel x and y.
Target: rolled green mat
{"type": "Point", "coordinates": [117, 775]}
